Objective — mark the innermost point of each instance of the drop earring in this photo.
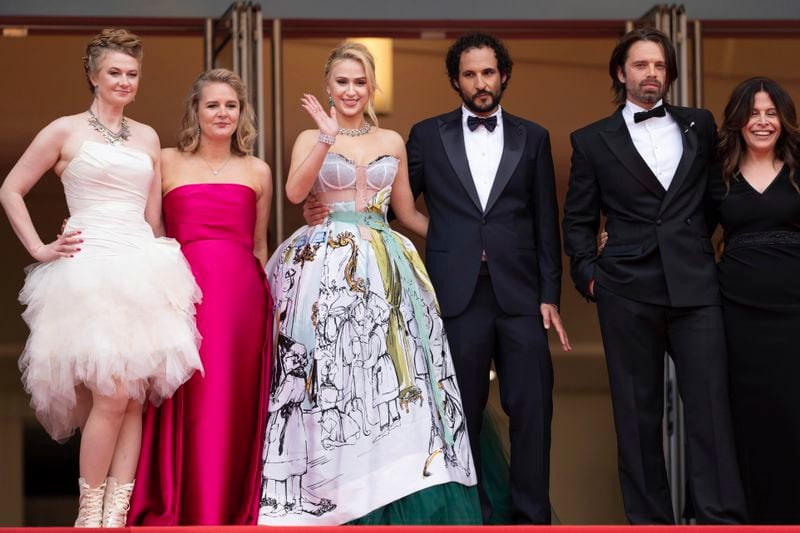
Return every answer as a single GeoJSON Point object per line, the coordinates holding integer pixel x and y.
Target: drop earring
{"type": "Point", "coordinates": [330, 101]}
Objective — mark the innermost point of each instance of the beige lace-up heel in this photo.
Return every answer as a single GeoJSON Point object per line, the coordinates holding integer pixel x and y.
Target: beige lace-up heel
{"type": "Point", "coordinates": [116, 503]}
{"type": "Point", "coordinates": [90, 504]}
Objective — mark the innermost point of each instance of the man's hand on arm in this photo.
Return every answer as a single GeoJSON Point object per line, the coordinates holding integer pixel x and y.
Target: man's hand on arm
{"type": "Point", "coordinates": [314, 211]}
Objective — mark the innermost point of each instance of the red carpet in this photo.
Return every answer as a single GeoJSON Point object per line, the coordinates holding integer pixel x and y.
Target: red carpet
{"type": "Point", "coordinates": [433, 529]}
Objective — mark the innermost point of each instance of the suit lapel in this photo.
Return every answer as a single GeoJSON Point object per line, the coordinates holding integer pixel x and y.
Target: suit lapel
{"type": "Point", "coordinates": [689, 140]}
{"type": "Point", "coordinates": [513, 144]}
{"type": "Point", "coordinates": [452, 135]}
{"type": "Point", "coordinates": [618, 139]}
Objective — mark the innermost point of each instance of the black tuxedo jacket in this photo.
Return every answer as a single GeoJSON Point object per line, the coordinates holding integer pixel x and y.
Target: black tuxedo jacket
{"type": "Point", "coordinates": [518, 230]}
{"type": "Point", "coordinates": [659, 249]}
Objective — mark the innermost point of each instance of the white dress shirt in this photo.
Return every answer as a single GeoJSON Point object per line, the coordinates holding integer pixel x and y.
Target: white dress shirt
{"type": "Point", "coordinates": [658, 140]}
{"type": "Point", "coordinates": [484, 149]}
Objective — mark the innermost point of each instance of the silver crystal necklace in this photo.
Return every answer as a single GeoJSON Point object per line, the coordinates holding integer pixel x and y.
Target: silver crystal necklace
{"type": "Point", "coordinates": [356, 132]}
{"type": "Point", "coordinates": [111, 137]}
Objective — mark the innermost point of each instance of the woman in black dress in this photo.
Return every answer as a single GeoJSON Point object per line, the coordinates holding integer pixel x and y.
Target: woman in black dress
{"type": "Point", "coordinates": [757, 201]}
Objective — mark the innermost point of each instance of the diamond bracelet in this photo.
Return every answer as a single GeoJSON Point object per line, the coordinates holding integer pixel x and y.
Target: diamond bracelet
{"type": "Point", "coordinates": [327, 139]}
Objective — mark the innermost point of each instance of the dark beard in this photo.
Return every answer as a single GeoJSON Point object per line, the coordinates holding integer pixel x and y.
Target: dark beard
{"type": "Point", "coordinates": [649, 97]}
{"type": "Point", "coordinates": [470, 104]}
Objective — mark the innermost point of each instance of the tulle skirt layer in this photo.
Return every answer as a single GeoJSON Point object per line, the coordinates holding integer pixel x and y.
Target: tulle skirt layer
{"type": "Point", "coordinates": [111, 320]}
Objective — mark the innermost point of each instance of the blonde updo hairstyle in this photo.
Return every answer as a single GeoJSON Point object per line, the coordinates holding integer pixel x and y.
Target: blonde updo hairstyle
{"type": "Point", "coordinates": [244, 137]}
{"type": "Point", "coordinates": [110, 40]}
{"type": "Point", "coordinates": [360, 53]}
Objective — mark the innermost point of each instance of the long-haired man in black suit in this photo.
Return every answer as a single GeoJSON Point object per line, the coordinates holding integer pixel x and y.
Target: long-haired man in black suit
{"type": "Point", "coordinates": [645, 168]}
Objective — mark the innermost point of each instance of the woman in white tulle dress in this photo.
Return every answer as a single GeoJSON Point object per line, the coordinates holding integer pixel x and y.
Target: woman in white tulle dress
{"type": "Point", "coordinates": [110, 303]}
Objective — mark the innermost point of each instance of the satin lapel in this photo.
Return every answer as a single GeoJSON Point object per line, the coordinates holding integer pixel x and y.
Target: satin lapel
{"type": "Point", "coordinates": [514, 135]}
{"type": "Point", "coordinates": [689, 140]}
{"type": "Point", "coordinates": [619, 141]}
{"type": "Point", "coordinates": [452, 136]}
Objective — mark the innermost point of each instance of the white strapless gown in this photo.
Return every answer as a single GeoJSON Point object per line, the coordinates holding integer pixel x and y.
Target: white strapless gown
{"type": "Point", "coordinates": [120, 313]}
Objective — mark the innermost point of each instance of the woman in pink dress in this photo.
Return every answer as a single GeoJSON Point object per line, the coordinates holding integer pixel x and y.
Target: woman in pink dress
{"type": "Point", "coordinates": [201, 451]}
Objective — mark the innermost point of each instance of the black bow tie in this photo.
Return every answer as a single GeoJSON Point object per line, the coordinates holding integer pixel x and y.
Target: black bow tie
{"type": "Point", "coordinates": [644, 115]}
{"type": "Point", "coordinates": [490, 123]}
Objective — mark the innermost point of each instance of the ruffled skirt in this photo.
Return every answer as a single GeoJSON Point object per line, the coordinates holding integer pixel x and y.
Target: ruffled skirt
{"type": "Point", "coordinates": [114, 319]}
{"type": "Point", "coordinates": [365, 409]}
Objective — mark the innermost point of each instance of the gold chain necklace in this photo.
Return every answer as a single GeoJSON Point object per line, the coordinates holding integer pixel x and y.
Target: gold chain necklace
{"type": "Point", "coordinates": [111, 137]}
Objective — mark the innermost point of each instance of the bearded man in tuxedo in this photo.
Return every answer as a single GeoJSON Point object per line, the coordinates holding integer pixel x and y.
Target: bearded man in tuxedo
{"type": "Point", "coordinates": [645, 167]}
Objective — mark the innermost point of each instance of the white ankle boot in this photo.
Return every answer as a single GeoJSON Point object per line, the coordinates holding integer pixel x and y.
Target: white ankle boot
{"type": "Point", "coordinates": [90, 505]}
{"type": "Point", "coordinates": [116, 503]}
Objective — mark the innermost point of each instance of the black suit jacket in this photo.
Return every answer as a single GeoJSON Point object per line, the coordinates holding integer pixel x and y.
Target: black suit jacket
{"type": "Point", "coordinates": [518, 229]}
{"type": "Point", "coordinates": [659, 249]}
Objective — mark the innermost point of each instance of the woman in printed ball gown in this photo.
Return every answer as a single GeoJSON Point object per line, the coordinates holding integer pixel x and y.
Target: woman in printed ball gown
{"type": "Point", "coordinates": [365, 422]}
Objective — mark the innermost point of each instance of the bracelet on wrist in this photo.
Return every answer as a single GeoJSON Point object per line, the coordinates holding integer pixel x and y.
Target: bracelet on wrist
{"type": "Point", "coordinates": [327, 139]}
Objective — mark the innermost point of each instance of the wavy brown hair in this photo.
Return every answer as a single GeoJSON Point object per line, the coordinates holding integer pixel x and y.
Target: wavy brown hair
{"type": "Point", "coordinates": [244, 137]}
{"type": "Point", "coordinates": [731, 147]}
{"type": "Point", "coordinates": [110, 40]}
{"type": "Point", "coordinates": [361, 54]}
{"type": "Point", "coordinates": [620, 54]}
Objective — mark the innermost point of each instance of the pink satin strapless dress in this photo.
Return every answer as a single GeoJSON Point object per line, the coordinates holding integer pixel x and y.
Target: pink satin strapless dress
{"type": "Point", "coordinates": [201, 451]}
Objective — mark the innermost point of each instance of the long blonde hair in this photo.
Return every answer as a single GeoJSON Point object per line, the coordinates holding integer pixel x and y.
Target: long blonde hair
{"type": "Point", "coordinates": [110, 40]}
{"type": "Point", "coordinates": [360, 53]}
{"type": "Point", "coordinates": [243, 139]}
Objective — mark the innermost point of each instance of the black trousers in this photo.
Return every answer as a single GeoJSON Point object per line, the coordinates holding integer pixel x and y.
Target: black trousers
{"type": "Point", "coordinates": [518, 346]}
{"type": "Point", "coordinates": [635, 337]}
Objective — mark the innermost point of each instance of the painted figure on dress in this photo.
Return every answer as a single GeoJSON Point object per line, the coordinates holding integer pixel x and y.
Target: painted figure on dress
{"type": "Point", "coordinates": [285, 457]}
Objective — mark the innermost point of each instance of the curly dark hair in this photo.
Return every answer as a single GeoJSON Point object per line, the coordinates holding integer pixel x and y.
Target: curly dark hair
{"type": "Point", "coordinates": [731, 147]}
{"type": "Point", "coordinates": [620, 55]}
{"type": "Point", "coordinates": [477, 40]}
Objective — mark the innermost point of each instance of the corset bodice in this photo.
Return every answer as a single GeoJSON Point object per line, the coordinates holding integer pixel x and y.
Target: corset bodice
{"type": "Point", "coordinates": [339, 173]}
